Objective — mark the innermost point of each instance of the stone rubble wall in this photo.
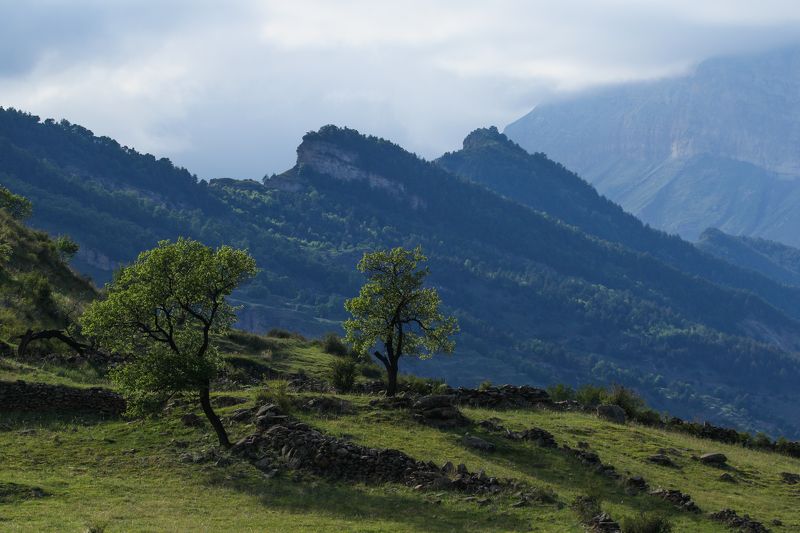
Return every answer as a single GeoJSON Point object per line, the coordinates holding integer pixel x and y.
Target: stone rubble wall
{"type": "Point", "coordinates": [25, 396]}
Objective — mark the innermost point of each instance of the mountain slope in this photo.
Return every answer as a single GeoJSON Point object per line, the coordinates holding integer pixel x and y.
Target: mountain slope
{"type": "Point", "coordinates": [490, 158]}
{"type": "Point", "coordinates": [37, 288]}
{"type": "Point", "coordinates": [714, 148]}
{"type": "Point", "coordinates": [539, 301]}
{"type": "Point", "coordinates": [773, 259]}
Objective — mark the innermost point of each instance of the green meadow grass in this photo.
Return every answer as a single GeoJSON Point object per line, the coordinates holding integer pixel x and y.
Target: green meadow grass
{"type": "Point", "coordinates": [119, 475]}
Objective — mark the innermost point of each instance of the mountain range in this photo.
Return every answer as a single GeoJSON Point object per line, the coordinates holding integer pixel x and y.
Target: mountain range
{"type": "Point", "coordinates": [716, 147]}
{"type": "Point", "coordinates": [550, 281]}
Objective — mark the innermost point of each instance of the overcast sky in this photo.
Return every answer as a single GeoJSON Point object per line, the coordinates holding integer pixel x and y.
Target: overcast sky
{"type": "Point", "coordinates": [227, 89]}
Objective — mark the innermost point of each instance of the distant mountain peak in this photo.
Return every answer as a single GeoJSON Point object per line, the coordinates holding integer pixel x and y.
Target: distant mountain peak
{"type": "Point", "coordinates": [491, 136]}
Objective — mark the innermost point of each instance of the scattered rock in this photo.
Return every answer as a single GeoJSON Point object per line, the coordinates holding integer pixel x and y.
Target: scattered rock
{"type": "Point", "coordinates": [603, 523]}
{"type": "Point", "coordinates": [502, 397]}
{"type": "Point", "coordinates": [242, 415]}
{"type": "Point", "coordinates": [677, 498]}
{"type": "Point", "coordinates": [227, 401]}
{"type": "Point", "coordinates": [477, 443]}
{"type": "Point", "coordinates": [438, 410]}
{"type": "Point", "coordinates": [727, 478]}
{"type": "Point", "coordinates": [663, 460]}
{"type": "Point", "coordinates": [636, 484]}
{"type": "Point", "coordinates": [789, 478]}
{"type": "Point", "coordinates": [743, 523]}
{"type": "Point", "coordinates": [328, 405]}
{"type": "Point", "coordinates": [612, 413]}
{"type": "Point", "coordinates": [191, 420]}
{"type": "Point", "coordinates": [717, 459]}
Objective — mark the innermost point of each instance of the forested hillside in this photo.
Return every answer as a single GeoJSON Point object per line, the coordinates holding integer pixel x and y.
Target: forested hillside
{"type": "Point", "coordinates": [770, 258]}
{"type": "Point", "coordinates": [539, 300]}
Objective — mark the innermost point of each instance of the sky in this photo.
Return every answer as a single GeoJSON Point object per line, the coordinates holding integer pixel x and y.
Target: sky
{"type": "Point", "coordinates": [227, 89]}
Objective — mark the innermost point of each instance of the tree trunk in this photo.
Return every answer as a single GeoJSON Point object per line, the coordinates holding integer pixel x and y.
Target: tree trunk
{"type": "Point", "coordinates": [391, 371]}
{"type": "Point", "coordinates": [205, 402]}
{"type": "Point", "coordinates": [30, 336]}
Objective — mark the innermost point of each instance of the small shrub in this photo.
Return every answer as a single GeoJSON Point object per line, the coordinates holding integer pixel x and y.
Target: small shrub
{"type": "Point", "coordinates": [648, 417]}
{"type": "Point", "coordinates": [485, 385]}
{"type": "Point", "coordinates": [626, 398]}
{"type": "Point", "coordinates": [333, 344]}
{"type": "Point", "coordinates": [343, 374]}
{"type": "Point", "coordinates": [370, 370]}
{"type": "Point", "coordinates": [561, 392]}
{"type": "Point", "coordinates": [417, 384]}
{"type": "Point", "coordinates": [591, 395]}
{"type": "Point", "coordinates": [275, 391]}
{"type": "Point", "coordinates": [646, 523]}
{"type": "Point", "coordinates": [278, 333]}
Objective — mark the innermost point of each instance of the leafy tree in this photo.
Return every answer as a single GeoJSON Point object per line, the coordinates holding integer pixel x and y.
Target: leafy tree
{"type": "Point", "coordinates": [17, 206]}
{"type": "Point", "coordinates": [66, 247]}
{"type": "Point", "coordinates": [163, 310]}
{"type": "Point", "coordinates": [394, 309]}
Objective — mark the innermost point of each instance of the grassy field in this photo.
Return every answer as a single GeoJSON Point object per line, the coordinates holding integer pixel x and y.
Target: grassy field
{"type": "Point", "coordinates": [118, 475]}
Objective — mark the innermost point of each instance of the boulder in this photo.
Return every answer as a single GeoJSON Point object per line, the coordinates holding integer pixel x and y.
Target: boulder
{"type": "Point", "coordinates": [191, 420]}
{"type": "Point", "coordinates": [612, 413]}
{"type": "Point", "coordinates": [715, 458]}
{"type": "Point", "coordinates": [662, 459]}
{"type": "Point", "coordinates": [477, 443]}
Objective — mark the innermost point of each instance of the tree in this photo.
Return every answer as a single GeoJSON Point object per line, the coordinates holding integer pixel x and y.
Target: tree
{"type": "Point", "coordinates": [17, 206]}
{"type": "Point", "coordinates": [66, 247]}
{"type": "Point", "coordinates": [163, 311]}
{"type": "Point", "coordinates": [395, 310]}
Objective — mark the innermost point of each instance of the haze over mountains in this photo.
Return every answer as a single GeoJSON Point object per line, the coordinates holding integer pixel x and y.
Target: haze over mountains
{"type": "Point", "coordinates": [550, 281]}
{"type": "Point", "coordinates": [714, 148]}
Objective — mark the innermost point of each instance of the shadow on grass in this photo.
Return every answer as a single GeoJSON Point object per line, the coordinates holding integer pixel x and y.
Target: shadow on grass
{"type": "Point", "coordinates": [390, 503]}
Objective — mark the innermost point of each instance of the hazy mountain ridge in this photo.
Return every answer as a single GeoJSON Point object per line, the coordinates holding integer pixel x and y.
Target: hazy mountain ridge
{"type": "Point", "coordinates": [770, 258]}
{"type": "Point", "coordinates": [539, 301]}
{"type": "Point", "coordinates": [714, 148]}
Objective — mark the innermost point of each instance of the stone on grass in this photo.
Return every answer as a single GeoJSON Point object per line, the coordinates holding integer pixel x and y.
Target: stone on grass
{"type": "Point", "coordinates": [612, 413]}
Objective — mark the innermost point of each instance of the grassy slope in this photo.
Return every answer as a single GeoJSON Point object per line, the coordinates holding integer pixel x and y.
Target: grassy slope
{"type": "Point", "coordinates": [128, 475]}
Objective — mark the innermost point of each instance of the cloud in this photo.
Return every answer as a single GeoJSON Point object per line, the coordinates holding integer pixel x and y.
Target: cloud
{"type": "Point", "coordinates": [229, 89]}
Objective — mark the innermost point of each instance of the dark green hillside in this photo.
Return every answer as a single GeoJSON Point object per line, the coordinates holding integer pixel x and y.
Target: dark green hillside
{"type": "Point", "coordinates": [490, 158]}
{"type": "Point", "coordinates": [770, 258]}
{"type": "Point", "coordinates": [539, 301]}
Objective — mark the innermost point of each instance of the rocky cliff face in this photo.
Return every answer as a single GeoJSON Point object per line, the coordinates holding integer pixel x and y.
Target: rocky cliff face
{"type": "Point", "coordinates": [687, 153]}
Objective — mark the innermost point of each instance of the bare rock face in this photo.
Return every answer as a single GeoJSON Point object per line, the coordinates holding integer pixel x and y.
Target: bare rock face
{"type": "Point", "coordinates": [612, 413]}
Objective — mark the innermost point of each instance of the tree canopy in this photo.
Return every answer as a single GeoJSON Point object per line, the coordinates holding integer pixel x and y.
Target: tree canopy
{"type": "Point", "coordinates": [162, 311]}
{"type": "Point", "coordinates": [394, 309]}
{"type": "Point", "coordinates": [17, 206]}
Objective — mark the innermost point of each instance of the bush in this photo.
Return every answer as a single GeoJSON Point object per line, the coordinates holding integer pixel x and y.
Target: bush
{"type": "Point", "coordinates": [343, 374]}
{"type": "Point", "coordinates": [645, 523]}
{"type": "Point", "coordinates": [418, 385]}
{"type": "Point", "coordinates": [278, 333]}
{"type": "Point", "coordinates": [631, 402]}
{"type": "Point", "coordinates": [275, 391]}
{"type": "Point", "coordinates": [591, 395]}
{"type": "Point", "coordinates": [370, 370]}
{"type": "Point", "coordinates": [561, 392]}
{"type": "Point", "coordinates": [333, 344]}
{"type": "Point", "coordinates": [485, 385]}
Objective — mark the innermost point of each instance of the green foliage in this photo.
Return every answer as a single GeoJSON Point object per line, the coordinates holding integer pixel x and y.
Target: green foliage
{"type": "Point", "coordinates": [394, 309]}
{"type": "Point", "coordinates": [646, 523]}
{"type": "Point", "coordinates": [626, 398]}
{"type": "Point", "coordinates": [485, 385]}
{"type": "Point", "coordinates": [560, 392]}
{"type": "Point", "coordinates": [275, 391]}
{"type": "Point", "coordinates": [162, 310]}
{"type": "Point", "coordinates": [591, 395]}
{"type": "Point", "coordinates": [333, 344]}
{"type": "Point", "coordinates": [343, 374]}
{"type": "Point", "coordinates": [17, 206]}
{"type": "Point", "coordinates": [66, 247]}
